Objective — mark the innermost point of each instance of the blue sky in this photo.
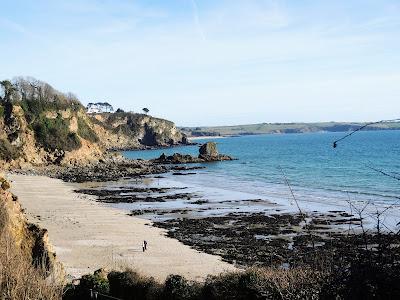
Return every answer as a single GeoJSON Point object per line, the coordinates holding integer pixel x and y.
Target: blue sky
{"type": "Point", "coordinates": [213, 62]}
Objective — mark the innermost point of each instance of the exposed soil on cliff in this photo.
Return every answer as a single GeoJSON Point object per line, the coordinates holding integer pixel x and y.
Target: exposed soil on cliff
{"type": "Point", "coordinates": [40, 125]}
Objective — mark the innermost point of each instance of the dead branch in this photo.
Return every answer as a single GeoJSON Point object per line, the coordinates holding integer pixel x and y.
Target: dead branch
{"type": "Point", "coordinates": [361, 128]}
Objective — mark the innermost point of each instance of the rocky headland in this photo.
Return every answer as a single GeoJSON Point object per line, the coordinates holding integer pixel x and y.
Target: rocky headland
{"type": "Point", "coordinates": [112, 166]}
{"type": "Point", "coordinates": [41, 126]}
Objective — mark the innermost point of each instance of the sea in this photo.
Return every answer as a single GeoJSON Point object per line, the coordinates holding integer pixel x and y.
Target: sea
{"type": "Point", "coordinates": [285, 168]}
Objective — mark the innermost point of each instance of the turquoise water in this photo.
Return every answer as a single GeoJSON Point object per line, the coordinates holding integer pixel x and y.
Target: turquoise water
{"type": "Point", "coordinates": [313, 167]}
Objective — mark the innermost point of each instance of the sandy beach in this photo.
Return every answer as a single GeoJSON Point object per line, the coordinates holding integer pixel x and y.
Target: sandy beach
{"type": "Point", "coordinates": [88, 235]}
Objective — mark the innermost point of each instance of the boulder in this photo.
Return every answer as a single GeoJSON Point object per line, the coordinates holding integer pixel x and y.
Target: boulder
{"type": "Point", "coordinates": [208, 150]}
{"type": "Point", "coordinates": [185, 140]}
{"type": "Point", "coordinates": [4, 184]}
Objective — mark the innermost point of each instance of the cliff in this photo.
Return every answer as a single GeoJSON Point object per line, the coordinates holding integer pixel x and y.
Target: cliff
{"type": "Point", "coordinates": [121, 131]}
{"type": "Point", "coordinates": [27, 262]}
{"type": "Point", "coordinates": [40, 125]}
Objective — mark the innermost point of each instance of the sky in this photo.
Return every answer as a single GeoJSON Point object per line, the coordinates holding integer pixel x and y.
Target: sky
{"type": "Point", "coordinates": [213, 62]}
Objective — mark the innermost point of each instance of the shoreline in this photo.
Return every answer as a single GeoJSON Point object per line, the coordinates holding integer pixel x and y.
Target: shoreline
{"type": "Point", "coordinates": [88, 235]}
{"type": "Point", "coordinates": [207, 137]}
{"type": "Point", "coordinates": [273, 200]}
{"type": "Point", "coordinates": [243, 228]}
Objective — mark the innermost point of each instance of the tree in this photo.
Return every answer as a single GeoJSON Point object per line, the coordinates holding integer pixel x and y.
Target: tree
{"type": "Point", "coordinates": [71, 97]}
{"type": "Point", "coordinates": [9, 91]}
{"type": "Point", "coordinates": [31, 89]}
{"type": "Point", "coordinates": [108, 107]}
{"type": "Point", "coordinates": [146, 110]}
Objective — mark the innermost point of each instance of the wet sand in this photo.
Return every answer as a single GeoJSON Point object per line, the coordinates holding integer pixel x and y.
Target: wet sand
{"type": "Point", "coordinates": [88, 235]}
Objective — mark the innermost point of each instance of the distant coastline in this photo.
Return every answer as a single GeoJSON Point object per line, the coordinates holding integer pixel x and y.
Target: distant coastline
{"type": "Point", "coordinates": [281, 128]}
{"type": "Point", "coordinates": [207, 137]}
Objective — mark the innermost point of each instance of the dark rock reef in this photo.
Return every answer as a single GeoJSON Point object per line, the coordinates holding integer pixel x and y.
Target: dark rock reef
{"type": "Point", "coordinates": [260, 239]}
{"type": "Point", "coordinates": [133, 194]}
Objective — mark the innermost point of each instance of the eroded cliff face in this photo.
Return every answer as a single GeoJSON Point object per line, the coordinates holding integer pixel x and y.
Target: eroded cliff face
{"type": "Point", "coordinates": [21, 242]}
{"type": "Point", "coordinates": [40, 125]}
{"type": "Point", "coordinates": [72, 137]}
{"type": "Point", "coordinates": [24, 142]}
{"type": "Point", "coordinates": [124, 131]}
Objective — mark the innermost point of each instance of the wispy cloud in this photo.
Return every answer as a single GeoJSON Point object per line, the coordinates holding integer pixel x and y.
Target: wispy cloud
{"type": "Point", "coordinates": [13, 26]}
{"type": "Point", "coordinates": [266, 56]}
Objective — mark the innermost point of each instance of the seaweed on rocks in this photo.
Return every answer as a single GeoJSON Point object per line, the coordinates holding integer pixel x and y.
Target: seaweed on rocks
{"type": "Point", "coordinates": [258, 239]}
{"type": "Point", "coordinates": [102, 171]}
{"type": "Point", "coordinates": [135, 194]}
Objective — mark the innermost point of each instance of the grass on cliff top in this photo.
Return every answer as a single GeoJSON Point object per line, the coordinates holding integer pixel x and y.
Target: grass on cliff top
{"type": "Point", "coordinates": [133, 119]}
{"type": "Point", "coordinates": [130, 128]}
{"type": "Point", "coordinates": [33, 109]}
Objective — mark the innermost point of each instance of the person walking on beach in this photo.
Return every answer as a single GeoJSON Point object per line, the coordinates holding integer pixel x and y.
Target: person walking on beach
{"type": "Point", "coordinates": [144, 245]}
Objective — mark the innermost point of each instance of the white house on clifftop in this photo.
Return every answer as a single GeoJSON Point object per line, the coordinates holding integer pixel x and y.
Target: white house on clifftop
{"type": "Point", "coordinates": [99, 107]}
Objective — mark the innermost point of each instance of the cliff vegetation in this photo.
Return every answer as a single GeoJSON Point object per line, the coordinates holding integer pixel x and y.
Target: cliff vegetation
{"type": "Point", "coordinates": [40, 125]}
{"type": "Point", "coordinates": [28, 269]}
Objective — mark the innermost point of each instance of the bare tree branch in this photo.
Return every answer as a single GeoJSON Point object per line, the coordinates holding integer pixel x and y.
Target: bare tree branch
{"type": "Point", "coordinates": [361, 128]}
{"type": "Point", "coordinates": [384, 173]}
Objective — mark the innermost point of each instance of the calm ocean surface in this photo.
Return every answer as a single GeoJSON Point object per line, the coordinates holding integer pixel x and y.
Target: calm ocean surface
{"type": "Point", "coordinates": [314, 168]}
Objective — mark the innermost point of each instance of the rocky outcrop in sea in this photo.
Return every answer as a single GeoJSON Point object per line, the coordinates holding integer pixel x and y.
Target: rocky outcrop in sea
{"type": "Point", "coordinates": [208, 152]}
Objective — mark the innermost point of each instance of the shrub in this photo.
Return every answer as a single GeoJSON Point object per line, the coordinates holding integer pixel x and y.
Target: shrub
{"type": "Point", "coordinates": [130, 285]}
{"type": "Point", "coordinates": [1, 111]}
{"type": "Point", "coordinates": [265, 283]}
{"type": "Point", "coordinates": [8, 152]}
{"type": "Point", "coordinates": [34, 108]}
{"type": "Point", "coordinates": [84, 131]}
{"type": "Point", "coordinates": [132, 126]}
{"type": "Point", "coordinates": [54, 134]}
{"type": "Point", "coordinates": [256, 283]}
{"type": "Point", "coordinates": [367, 276]}
{"type": "Point", "coordinates": [87, 283]}
{"type": "Point", "coordinates": [176, 287]}
{"type": "Point", "coordinates": [100, 123]}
